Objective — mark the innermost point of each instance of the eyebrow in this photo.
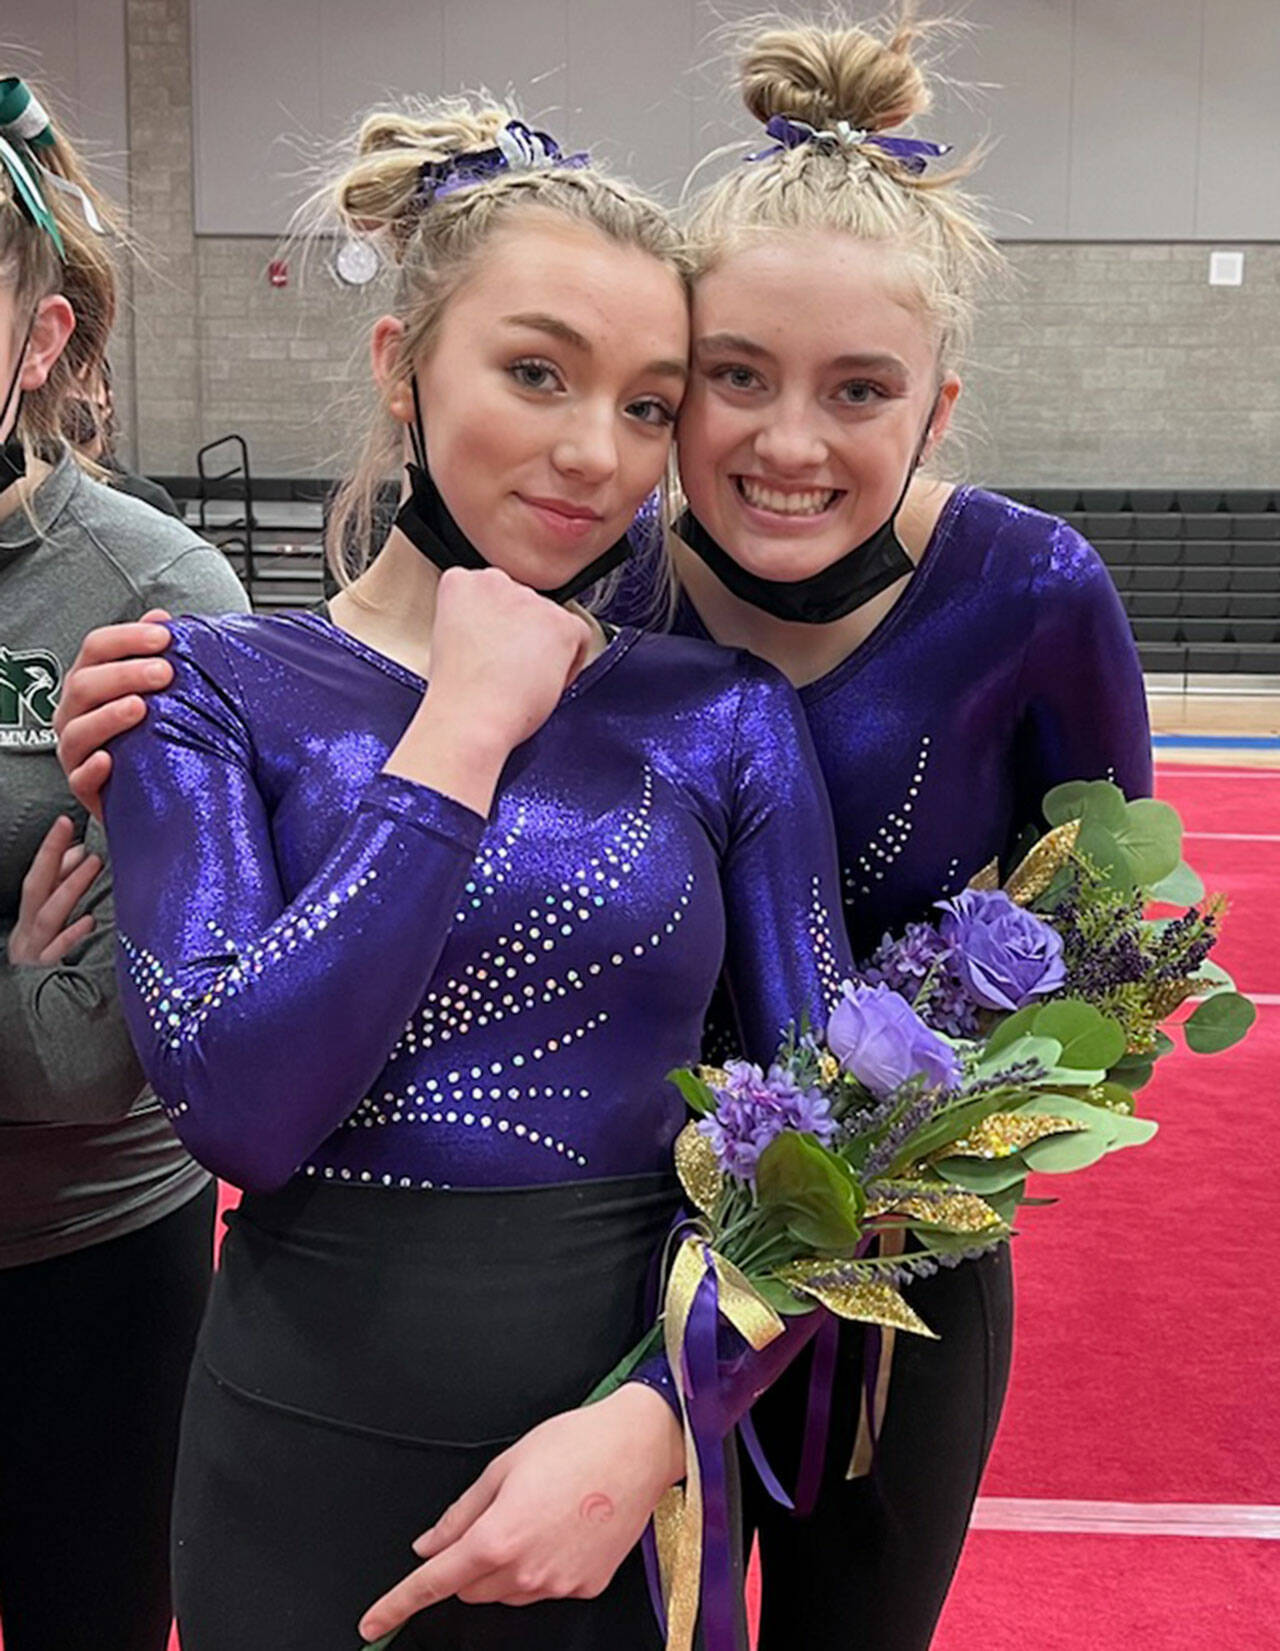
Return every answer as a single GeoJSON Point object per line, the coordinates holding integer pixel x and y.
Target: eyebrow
{"type": "Point", "coordinates": [728, 343]}
{"type": "Point", "coordinates": [556, 328]}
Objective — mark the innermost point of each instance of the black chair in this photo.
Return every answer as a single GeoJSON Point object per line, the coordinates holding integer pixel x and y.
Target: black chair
{"type": "Point", "coordinates": [1194, 499]}
{"type": "Point", "coordinates": [1259, 526]}
{"type": "Point", "coordinates": [1206, 524]}
{"type": "Point", "coordinates": [1206, 552]}
{"type": "Point", "coordinates": [1205, 630]}
{"type": "Point", "coordinates": [1156, 578]}
{"type": "Point", "coordinates": [1102, 526]}
{"type": "Point", "coordinates": [1261, 579]}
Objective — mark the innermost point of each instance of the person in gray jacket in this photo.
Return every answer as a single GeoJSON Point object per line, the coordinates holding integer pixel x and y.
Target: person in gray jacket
{"type": "Point", "coordinates": [105, 1221]}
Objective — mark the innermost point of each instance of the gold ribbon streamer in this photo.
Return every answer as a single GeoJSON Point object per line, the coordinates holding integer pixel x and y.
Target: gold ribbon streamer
{"type": "Point", "coordinates": [678, 1521]}
{"type": "Point", "coordinates": [891, 1243]}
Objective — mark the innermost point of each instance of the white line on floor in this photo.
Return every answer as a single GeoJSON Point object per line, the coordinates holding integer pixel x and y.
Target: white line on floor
{"type": "Point", "coordinates": [1016, 1513]}
{"type": "Point", "coordinates": [1268, 1000]}
{"type": "Point", "coordinates": [1235, 836]}
{"type": "Point", "coordinates": [1192, 771]}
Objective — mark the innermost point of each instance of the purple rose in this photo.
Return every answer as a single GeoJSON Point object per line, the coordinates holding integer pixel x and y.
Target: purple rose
{"type": "Point", "coordinates": [877, 1036]}
{"type": "Point", "coordinates": [1005, 955]}
{"type": "Point", "coordinates": [752, 1110]}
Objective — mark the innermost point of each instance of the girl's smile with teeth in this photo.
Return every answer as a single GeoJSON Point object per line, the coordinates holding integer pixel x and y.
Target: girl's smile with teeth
{"type": "Point", "coordinates": [786, 501]}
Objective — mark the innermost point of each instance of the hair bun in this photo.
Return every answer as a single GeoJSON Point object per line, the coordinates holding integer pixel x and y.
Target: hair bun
{"type": "Point", "coordinates": [377, 193]}
{"type": "Point", "coordinates": [822, 75]}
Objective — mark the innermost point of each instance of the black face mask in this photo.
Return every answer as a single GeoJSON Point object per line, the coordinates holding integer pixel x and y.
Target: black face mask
{"type": "Point", "coordinates": [426, 522]}
{"type": "Point", "coordinates": [13, 455]}
{"type": "Point", "coordinates": [860, 574]}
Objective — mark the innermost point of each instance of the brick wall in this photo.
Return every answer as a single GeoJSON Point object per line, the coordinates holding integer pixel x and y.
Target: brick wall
{"type": "Point", "coordinates": [1100, 364]}
{"type": "Point", "coordinates": [1119, 364]}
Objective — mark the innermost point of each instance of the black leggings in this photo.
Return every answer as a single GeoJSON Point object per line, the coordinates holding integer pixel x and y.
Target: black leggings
{"type": "Point", "coordinates": [94, 1351]}
{"type": "Point", "coordinates": [366, 1353]}
{"type": "Point", "coordinates": [869, 1570]}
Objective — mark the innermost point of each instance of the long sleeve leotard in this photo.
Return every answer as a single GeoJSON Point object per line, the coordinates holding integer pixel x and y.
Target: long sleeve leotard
{"type": "Point", "coordinates": [335, 973]}
{"type": "Point", "coordinates": [1006, 667]}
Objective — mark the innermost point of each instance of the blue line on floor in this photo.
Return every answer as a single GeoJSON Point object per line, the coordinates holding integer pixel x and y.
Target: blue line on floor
{"type": "Point", "coordinates": [1223, 742]}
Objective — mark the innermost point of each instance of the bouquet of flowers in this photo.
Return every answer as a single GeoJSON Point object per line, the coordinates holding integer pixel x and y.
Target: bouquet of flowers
{"type": "Point", "coordinates": [1011, 1034]}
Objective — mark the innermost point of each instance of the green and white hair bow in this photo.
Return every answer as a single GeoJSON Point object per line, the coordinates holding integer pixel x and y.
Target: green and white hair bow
{"type": "Point", "coordinates": [25, 129]}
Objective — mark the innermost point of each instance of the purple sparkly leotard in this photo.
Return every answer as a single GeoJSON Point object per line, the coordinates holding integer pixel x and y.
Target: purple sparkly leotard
{"type": "Point", "coordinates": [333, 972]}
{"type": "Point", "coordinates": [1006, 667]}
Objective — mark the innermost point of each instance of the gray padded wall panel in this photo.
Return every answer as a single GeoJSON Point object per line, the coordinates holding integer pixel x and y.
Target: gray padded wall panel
{"type": "Point", "coordinates": [75, 48]}
{"type": "Point", "coordinates": [1239, 174]}
{"type": "Point", "coordinates": [1135, 93]}
{"type": "Point", "coordinates": [1108, 119]}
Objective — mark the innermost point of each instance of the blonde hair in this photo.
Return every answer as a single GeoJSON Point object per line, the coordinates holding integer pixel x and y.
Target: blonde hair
{"type": "Point", "coordinates": [32, 270]}
{"type": "Point", "coordinates": [871, 79]}
{"type": "Point", "coordinates": [435, 246]}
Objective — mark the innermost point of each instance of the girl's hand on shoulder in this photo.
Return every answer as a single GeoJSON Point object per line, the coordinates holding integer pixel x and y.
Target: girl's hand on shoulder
{"type": "Point", "coordinates": [552, 1517]}
{"type": "Point", "coordinates": [59, 877]}
{"type": "Point", "coordinates": [101, 698]}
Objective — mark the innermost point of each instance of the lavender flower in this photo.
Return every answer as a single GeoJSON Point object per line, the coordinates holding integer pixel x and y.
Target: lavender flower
{"type": "Point", "coordinates": [877, 1036]}
{"type": "Point", "coordinates": [1005, 955]}
{"type": "Point", "coordinates": [922, 956]}
{"type": "Point", "coordinates": [752, 1110]}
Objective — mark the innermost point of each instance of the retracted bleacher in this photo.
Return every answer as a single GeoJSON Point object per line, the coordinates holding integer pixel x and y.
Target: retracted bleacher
{"type": "Point", "coordinates": [1198, 570]}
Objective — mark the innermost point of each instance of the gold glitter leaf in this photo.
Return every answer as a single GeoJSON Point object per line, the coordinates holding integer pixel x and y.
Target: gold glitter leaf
{"type": "Point", "coordinates": [699, 1173]}
{"type": "Point", "coordinates": [988, 879]}
{"type": "Point", "coordinates": [957, 1212]}
{"type": "Point", "coordinates": [866, 1303]}
{"type": "Point", "coordinates": [715, 1077]}
{"type": "Point", "coordinates": [1004, 1133]}
{"type": "Point", "coordinates": [1036, 872]}
{"type": "Point", "coordinates": [828, 1068]}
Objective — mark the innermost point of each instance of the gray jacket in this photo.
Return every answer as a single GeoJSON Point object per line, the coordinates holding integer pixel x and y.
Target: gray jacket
{"type": "Point", "coordinates": [85, 1151]}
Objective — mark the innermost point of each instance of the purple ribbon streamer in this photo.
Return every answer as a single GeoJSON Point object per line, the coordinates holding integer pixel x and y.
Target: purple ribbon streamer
{"type": "Point", "coordinates": [436, 179]}
{"type": "Point", "coordinates": [720, 1616]}
{"type": "Point", "coordinates": [914, 154]}
{"type": "Point", "coordinates": [817, 1421]}
{"type": "Point", "coordinates": [760, 1462]}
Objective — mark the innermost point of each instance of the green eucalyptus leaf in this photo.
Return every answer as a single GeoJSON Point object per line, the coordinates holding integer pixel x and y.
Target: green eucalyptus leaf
{"type": "Point", "coordinates": [1045, 1052]}
{"type": "Point", "coordinates": [1096, 800]}
{"type": "Point", "coordinates": [1152, 837]}
{"type": "Point", "coordinates": [1218, 1022]}
{"type": "Point", "coordinates": [1012, 1027]}
{"type": "Point", "coordinates": [988, 1177]}
{"type": "Point", "coordinates": [1132, 1071]}
{"type": "Point", "coordinates": [1089, 1038]}
{"type": "Point", "coordinates": [1112, 1097]}
{"type": "Point", "coordinates": [1061, 1154]}
{"type": "Point", "coordinates": [697, 1096]}
{"type": "Point", "coordinates": [1182, 887]}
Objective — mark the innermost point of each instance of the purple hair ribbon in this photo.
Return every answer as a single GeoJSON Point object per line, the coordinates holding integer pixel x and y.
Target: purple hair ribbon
{"type": "Point", "coordinates": [519, 148]}
{"type": "Point", "coordinates": [914, 154]}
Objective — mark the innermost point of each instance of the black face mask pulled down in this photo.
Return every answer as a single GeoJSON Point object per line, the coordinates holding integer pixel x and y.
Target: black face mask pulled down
{"type": "Point", "coordinates": [13, 455]}
{"type": "Point", "coordinates": [425, 520]}
{"type": "Point", "coordinates": [831, 593]}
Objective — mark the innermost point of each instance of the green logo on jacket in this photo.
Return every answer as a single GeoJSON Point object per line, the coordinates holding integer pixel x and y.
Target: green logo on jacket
{"type": "Point", "coordinates": [30, 681]}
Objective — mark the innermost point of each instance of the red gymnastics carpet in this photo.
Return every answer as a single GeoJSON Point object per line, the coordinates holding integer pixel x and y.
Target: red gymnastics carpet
{"type": "Point", "coordinates": [1147, 1366]}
